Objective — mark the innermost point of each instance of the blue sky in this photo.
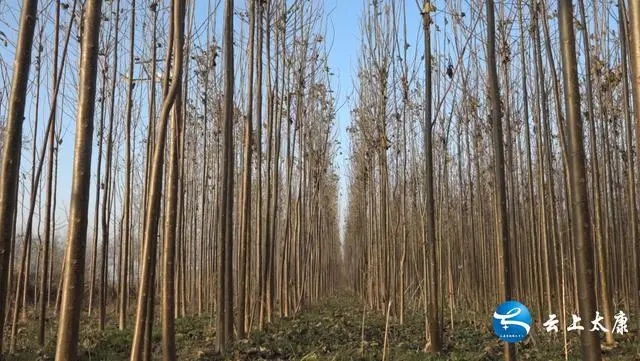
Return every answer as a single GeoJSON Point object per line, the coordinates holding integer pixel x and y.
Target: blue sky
{"type": "Point", "coordinates": [343, 35]}
{"type": "Point", "coordinates": [344, 17]}
{"type": "Point", "coordinates": [344, 31]}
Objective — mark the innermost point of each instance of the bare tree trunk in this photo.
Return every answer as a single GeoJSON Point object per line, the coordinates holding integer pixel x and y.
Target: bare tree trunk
{"type": "Point", "coordinates": [634, 52]}
{"type": "Point", "coordinates": [67, 341]}
{"type": "Point", "coordinates": [23, 278]}
{"type": "Point", "coordinates": [531, 206]}
{"type": "Point", "coordinates": [224, 334]}
{"type": "Point", "coordinates": [12, 144]}
{"type": "Point", "coordinates": [595, 175]}
{"type": "Point", "coordinates": [106, 209]}
{"type": "Point", "coordinates": [96, 217]}
{"type": "Point", "coordinates": [258, 144]}
{"type": "Point", "coordinates": [152, 213]}
{"type": "Point", "coordinates": [577, 175]}
{"type": "Point", "coordinates": [44, 290]}
{"type": "Point", "coordinates": [53, 220]}
{"type": "Point", "coordinates": [245, 214]}
{"type": "Point", "coordinates": [124, 274]}
{"type": "Point", "coordinates": [502, 230]}
{"type": "Point", "coordinates": [631, 178]}
{"type": "Point", "coordinates": [168, 290]}
{"type": "Point", "coordinates": [430, 239]}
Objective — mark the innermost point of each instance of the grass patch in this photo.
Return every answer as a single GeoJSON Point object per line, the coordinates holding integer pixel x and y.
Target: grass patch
{"type": "Point", "coordinates": [330, 330]}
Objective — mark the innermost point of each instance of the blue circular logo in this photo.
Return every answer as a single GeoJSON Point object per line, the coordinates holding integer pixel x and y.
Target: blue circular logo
{"type": "Point", "coordinates": [512, 321]}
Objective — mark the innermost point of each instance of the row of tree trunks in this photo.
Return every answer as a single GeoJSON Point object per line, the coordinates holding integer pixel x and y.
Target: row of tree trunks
{"type": "Point", "coordinates": [559, 210]}
{"type": "Point", "coordinates": [538, 238]}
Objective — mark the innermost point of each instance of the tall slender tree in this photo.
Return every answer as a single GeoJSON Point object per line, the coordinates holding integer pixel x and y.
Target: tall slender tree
{"type": "Point", "coordinates": [12, 143]}
{"type": "Point", "coordinates": [44, 286]}
{"type": "Point", "coordinates": [430, 228]}
{"type": "Point", "coordinates": [578, 180]}
{"type": "Point", "coordinates": [634, 53]}
{"type": "Point", "coordinates": [126, 204]}
{"type": "Point", "coordinates": [152, 212]}
{"type": "Point", "coordinates": [502, 231]}
{"type": "Point", "coordinates": [170, 219]}
{"type": "Point", "coordinates": [224, 334]}
{"type": "Point", "coordinates": [69, 324]}
{"type": "Point", "coordinates": [245, 201]}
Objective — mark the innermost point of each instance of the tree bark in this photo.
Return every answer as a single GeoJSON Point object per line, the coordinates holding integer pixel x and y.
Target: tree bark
{"type": "Point", "coordinates": [224, 334]}
{"type": "Point", "coordinates": [124, 273]}
{"type": "Point", "coordinates": [432, 307]}
{"type": "Point", "coordinates": [67, 341]}
{"type": "Point", "coordinates": [245, 215]}
{"type": "Point", "coordinates": [152, 213]}
{"type": "Point", "coordinates": [577, 179]}
{"type": "Point", "coordinates": [634, 52]}
{"type": "Point", "coordinates": [502, 223]}
{"type": "Point", "coordinates": [12, 144]}
{"type": "Point", "coordinates": [168, 290]}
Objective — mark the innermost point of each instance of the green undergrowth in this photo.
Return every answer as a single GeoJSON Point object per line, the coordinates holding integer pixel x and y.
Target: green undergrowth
{"type": "Point", "coordinates": [331, 330]}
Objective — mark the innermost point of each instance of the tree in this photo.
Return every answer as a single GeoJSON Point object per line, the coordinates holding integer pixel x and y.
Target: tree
{"type": "Point", "coordinates": [577, 180]}
{"type": "Point", "coordinates": [67, 341]}
{"type": "Point", "coordinates": [245, 201]}
{"type": "Point", "coordinates": [12, 143]}
{"type": "Point", "coordinates": [502, 231]}
{"type": "Point", "coordinates": [124, 272]}
{"type": "Point", "coordinates": [430, 228]}
{"type": "Point", "coordinates": [170, 221]}
{"type": "Point", "coordinates": [224, 334]}
{"type": "Point", "coordinates": [631, 178]}
{"type": "Point", "coordinates": [109, 182]}
{"type": "Point", "coordinates": [152, 212]}
{"type": "Point", "coordinates": [634, 52]}
{"type": "Point", "coordinates": [44, 289]}
{"type": "Point", "coordinates": [595, 173]}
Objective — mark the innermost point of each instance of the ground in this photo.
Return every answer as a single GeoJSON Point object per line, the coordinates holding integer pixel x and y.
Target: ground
{"type": "Point", "coordinates": [328, 331]}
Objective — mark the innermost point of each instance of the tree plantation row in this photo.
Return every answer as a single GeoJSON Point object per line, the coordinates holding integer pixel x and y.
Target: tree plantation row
{"type": "Point", "coordinates": [202, 182]}
{"type": "Point", "coordinates": [173, 159]}
{"type": "Point", "coordinates": [502, 168]}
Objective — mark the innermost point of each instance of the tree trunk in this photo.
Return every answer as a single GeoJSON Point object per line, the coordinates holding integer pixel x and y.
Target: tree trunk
{"type": "Point", "coordinates": [577, 178]}
{"type": "Point", "coordinates": [245, 215]}
{"type": "Point", "coordinates": [106, 209]}
{"type": "Point", "coordinates": [502, 230]}
{"type": "Point", "coordinates": [124, 274]}
{"type": "Point", "coordinates": [44, 290]}
{"type": "Point", "coordinates": [12, 143]}
{"type": "Point", "coordinates": [634, 52]}
{"type": "Point", "coordinates": [152, 213]}
{"type": "Point", "coordinates": [432, 307]}
{"type": "Point", "coordinates": [68, 327]}
{"type": "Point", "coordinates": [168, 290]}
{"type": "Point", "coordinates": [224, 334]}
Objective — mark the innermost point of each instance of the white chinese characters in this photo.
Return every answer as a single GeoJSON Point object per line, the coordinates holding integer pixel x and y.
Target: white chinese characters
{"type": "Point", "coordinates": [575, 325]}
{"type": "Point", "coordinates": [597, 326]}
{"type": "Point", "coordinates": [619, 327]}
{"type": "Point", "coordinates": [552, 324]}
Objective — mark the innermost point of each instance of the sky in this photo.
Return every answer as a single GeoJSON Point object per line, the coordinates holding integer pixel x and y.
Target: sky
{"type": "Point", "coordinates": [344, 18]}
{"type": "Point", "coordinates": [343, 37]}
{"type": "Point", "coordinates": [344, 31]}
